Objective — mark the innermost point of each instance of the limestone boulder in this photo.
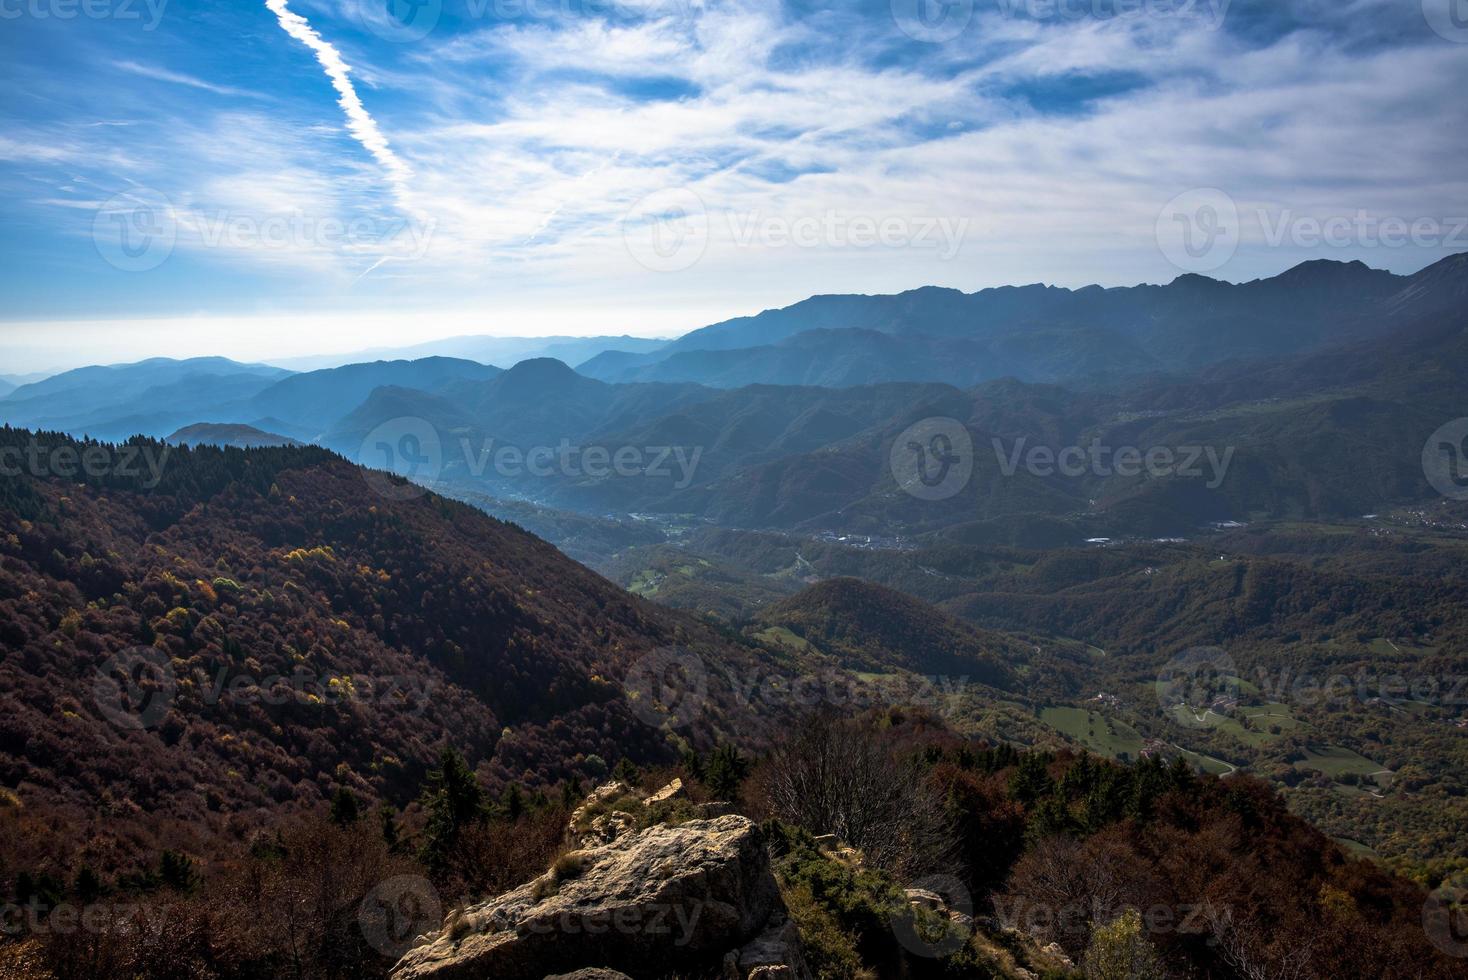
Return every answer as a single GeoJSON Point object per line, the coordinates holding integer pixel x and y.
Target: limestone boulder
{"type": "Point", "coordinates": [651, 902]}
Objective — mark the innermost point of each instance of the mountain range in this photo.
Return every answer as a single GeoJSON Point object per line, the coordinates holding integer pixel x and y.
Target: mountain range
{"type": "Point", "coordinates": [486, 350]}
{"type": "Point", "coordinates": [1091, 336]}
{"type": "Point", "coordinates": [1306, 395]}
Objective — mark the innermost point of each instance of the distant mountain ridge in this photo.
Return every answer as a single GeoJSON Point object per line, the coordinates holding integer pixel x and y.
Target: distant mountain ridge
{"type": "Point", "coordinates": [501, 351]}
{"type": "Point", "coordinates": [156, 397]}
{"type": "Point", "coordinates": [314, 400]}
{"type": "Point", "coordinates": [1320, 404]}
{"type": "Point", "coordinates": [1046, 333]}
{"type": "Point", "coordinates": [152, 397]}
{"type": "Point", "coordinates": [227, 435]}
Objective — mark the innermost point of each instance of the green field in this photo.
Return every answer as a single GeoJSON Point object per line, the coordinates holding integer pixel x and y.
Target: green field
{"type": "Point", "coordinates": [1095, 731]}
{"type": "Point", "coordinates": [781, 637]}
{"type": "Point", "coordinates": [646, 583]}
{"type": "Point", "coordinates": [1336, 760]}
{"type": "Point", "coordinates": [1207, 763]}
{"type": "Point", "coordinates": [1356, 849]}
{"type": "Point", "coordinates": [1260, 717]}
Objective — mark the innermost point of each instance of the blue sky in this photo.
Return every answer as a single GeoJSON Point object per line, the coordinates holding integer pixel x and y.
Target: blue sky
{"type": "Point", "coordinates": [300, 176]}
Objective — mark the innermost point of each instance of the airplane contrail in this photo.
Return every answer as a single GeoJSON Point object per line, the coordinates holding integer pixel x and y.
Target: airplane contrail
{"type": "Point", "coordinates": [359, 121]}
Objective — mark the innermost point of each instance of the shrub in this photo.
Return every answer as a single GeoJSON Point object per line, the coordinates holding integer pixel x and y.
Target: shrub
{"type": "Point", "coordinates": [1120, 951]}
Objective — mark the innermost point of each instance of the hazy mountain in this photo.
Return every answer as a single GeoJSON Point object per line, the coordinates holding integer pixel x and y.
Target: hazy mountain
{"type": "Point", "coordinates": [386, 405]}
{"type": "Point", "coordinates": [536, 403]}
{"type": "Point", "coordinates": [227, 435]}
{"type": "Point", "coordinates": [502, 351]}
{"type": "Point", "coordinates": [16, 380]}
{"type": "Point", "coordinates": [5, 387]}
{"type": "Point", "coordinates": [151, 397]}
{"type": "Point", "coordinates": [1328, 431]}
{"type": "Point", "coordinates": [1045, 333]}
{"type": "Point", "coordinates": [314, 400]}
{"type": "Point", "coordinates": [1332, 433]}
{"type": "Point", "coordinates": [843, 358]}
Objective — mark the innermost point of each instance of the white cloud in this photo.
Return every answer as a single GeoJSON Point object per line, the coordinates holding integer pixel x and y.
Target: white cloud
{"type": "Point", "coordinates": [179, 78]}
{"type": "Point", "coordinates": [524, 143]}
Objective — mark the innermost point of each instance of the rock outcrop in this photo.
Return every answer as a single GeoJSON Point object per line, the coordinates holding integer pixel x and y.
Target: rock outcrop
{"type": "Point", "coordinates": [669, 792]}
{"type": "Point", "coordinates": [647, 904]}
{"type": "Point", "coordinates": [776, 954]}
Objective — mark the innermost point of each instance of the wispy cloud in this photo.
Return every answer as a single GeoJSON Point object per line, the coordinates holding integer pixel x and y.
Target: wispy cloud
{"type": "Point", "coordinates": [179, 78]}
{"type": "Point", "coordinates": [523, 140]}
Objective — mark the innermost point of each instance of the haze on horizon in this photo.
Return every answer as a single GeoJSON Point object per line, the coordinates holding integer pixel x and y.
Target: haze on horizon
{"type": "Point", "coordinates": [276, 178]}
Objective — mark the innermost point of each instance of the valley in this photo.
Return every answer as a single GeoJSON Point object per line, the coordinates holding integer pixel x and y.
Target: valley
{"type": "Point", "coordinates": [335, 584]}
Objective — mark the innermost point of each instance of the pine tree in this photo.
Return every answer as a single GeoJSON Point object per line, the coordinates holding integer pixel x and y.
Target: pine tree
{"type": "Point", "coordinates": [391, 836]}
{"type": "Point", "coordinates": [345, 810]}
{"type": "Point", "coordinates": [512, 803]}
{"type": "Point", "coordinates": [88, 887]}
{"type": "Point", "coordinates": [1031, 779]}
{"type": "Point", "coordinates": [176, 871]}
{"type": "Point", "coordinates": [627, 772]}
{"type": "Point", "coordinates": [725, 772]}
{"type": "Point", "coordinates": [454, 800]}
{"type": "Point", "coordinates": [571, 794]}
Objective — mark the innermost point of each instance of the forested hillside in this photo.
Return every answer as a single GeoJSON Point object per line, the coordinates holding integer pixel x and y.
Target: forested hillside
{"type": "Point", "coordinates": [263, 628]}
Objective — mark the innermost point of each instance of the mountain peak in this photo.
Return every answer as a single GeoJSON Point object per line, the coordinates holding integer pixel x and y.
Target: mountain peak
{"type": "Point", "coordinates": [540, 376]}
{"type": "Point", "coordinates": [1316, 269]}
{"type": "Point", "coordinates": [1196, 280]}
{"type": "Point", "coordinates": [542, 371]}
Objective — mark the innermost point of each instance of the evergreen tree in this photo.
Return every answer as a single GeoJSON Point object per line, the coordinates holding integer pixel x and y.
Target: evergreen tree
{"type": "Point", "coordinates": [1150, 782]}
{"type": "Point", "coordinates": [176, 871]}
{"type": "Point", "coordinates": [391, 836]}
{"type": "Point", "coordinates": [1051, 817]}
{"type": "Point", "coordinates": [571, 794]}
{"type": "Point", "coordinates": [725, 772]}
{"type": "Point", "coordinates": [693, 765]}
{"type": "Point", "coordinates": [345, 810]}
{"type": "Point", "coordinates": [88, 887]}
{"type": "Point", "coordinates": [1031, 780]}
{"type": "Point", "coordinates": [512, 803]}
{"type": "Point", "coordinates": [454, 800]}
{"type": "Point", "coordinates": [627, 772]}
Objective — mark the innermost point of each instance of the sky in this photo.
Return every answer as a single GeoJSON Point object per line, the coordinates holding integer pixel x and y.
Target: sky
{"type": "Point", "coordinates": [275, 178]}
